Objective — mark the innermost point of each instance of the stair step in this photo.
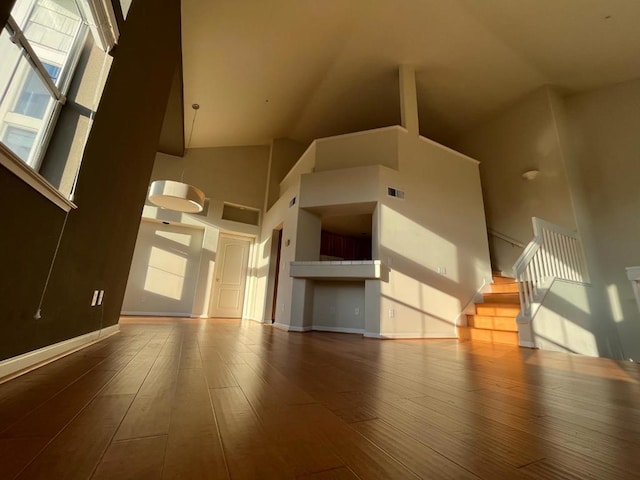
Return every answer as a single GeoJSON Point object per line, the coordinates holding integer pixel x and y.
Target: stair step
{"type": "Point", "coordinates": [504, 298]}
{"type": "Point", "coordinates": [504, 288]}
{"type": "Point", "coordinates": [500, 279]}
{"type": "Point", "coordinates": [493, 336]}
{"type": "Point", "coordinates": [498, 309]}
{"type": "Point", "coordinates": [507, 324]}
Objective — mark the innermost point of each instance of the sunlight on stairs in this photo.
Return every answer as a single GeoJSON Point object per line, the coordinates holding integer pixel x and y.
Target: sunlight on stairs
{"type": "Point", "coordinates": [495, 319]}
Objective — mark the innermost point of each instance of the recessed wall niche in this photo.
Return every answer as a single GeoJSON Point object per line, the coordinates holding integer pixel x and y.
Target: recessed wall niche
{"type": "Point", "coordinates": [346, 237]}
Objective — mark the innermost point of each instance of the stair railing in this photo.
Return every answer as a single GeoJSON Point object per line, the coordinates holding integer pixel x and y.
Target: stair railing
{"type": "Point", "coordinates": [554, 252]}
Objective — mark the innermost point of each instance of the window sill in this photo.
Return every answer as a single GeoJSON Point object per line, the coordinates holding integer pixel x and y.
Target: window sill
{"type": "Point", "coordinates": [32, 178]}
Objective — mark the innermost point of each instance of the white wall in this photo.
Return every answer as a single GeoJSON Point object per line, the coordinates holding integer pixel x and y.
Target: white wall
{"type": "Point", "coordinates": [164, 270]}
{"type": "Point", "coordinates": [521, 137]}
{"type": "Point", "coordinates": [227, 174]}
{"type": "Point", "coordinates": [284, 155]}
{"type": "Point", "coordinates": [601, 141]}
{"type": "Point", "coordinates": [440, 224]}
{"type": "Point", "coordinates": [565, 322]}
{"type": "Point", "coordinates": [339, 306]}
{"type": "Point", "coordinates": [372, 147]}
{"type": "Point", "coordinates": [285, 217]}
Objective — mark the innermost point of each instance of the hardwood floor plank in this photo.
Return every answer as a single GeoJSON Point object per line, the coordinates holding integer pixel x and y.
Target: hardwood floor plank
{"type": "Point", "coordinates": [138, 459]}
{"type": "Point", "coordinates": [224, 398]}
{"type": "Point", "coordinates": [150, 413]}
{"type": "Point", "coordinates": [420, 459]}
{"type": "Point", "coordinates": [17, 453]}
{"type": "Point", "coordinates": [194, 449]}
{"type": "Point", "coordinates": [75, 452]}
{"type": "Point", "coordinates": [333, 474]}
{"type": "Point", "coordinates": [247, 448]}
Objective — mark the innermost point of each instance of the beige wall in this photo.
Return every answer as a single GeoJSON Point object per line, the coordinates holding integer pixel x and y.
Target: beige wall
{"type": "Point", "coordinates": [372, 147]}
{"type": "Point", "coordinates": [283, 156]}
{"type": "Point", "coordinates": [228, 174]}
{"type": "Point", "coordinates": [339, 305]}
{"type": "Point", "coordinates": [602, 145]}
{"type": "Point", "coordinates": [164, 270]}
{"type": "Point", "coordinates": [522, 137]}
{"type": "Point", "coordinates": [285, 217]}
{"type": "Point", "coordinates": [440, 224]}
{"type": "Point", "coordinates": [438, 227]}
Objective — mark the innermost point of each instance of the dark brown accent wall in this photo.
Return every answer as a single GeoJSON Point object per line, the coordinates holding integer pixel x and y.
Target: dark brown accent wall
{"type": "Point", "coordinates": [98, 241]}
{"type": "Point", "coordinates": [5, 10]}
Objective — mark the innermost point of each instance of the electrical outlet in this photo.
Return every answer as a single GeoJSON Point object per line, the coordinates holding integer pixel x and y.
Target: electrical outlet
{"type": "Point", "coordinates": [356, 311]}
{"type": "Point", "coordinates": [392, 313]}
{"type": "Point", "coordinates": [442, 270]}
{"type": "Point", "coordinates": [94, 299]}
{"type": "Point", "coordinates": [100, 296]}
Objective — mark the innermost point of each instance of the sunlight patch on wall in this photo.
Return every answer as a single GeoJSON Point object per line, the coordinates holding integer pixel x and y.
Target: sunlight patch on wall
{"type": "Point", "coordinates": [417, 244]}
{"type": "Point", "coordinates": [181, 238]}
{"type": "Point", "coordinates": [614, 303]}
{"type": "Point", "coordinates": [165, 273]}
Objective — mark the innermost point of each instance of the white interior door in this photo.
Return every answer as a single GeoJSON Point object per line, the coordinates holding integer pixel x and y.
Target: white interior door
{"type": "Point", "coordinates": [232, 261]}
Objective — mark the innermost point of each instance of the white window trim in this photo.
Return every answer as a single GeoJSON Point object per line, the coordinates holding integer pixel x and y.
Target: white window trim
{"type": "Point", "coordinates": [32, 178]}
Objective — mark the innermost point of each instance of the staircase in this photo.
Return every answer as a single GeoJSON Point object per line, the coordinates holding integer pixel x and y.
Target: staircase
{"type": "Point", "coordinates": [495, 318]}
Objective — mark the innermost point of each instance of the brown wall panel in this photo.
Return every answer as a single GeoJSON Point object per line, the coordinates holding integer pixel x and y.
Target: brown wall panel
{"type": "Point", "coordinates": [99, 238]}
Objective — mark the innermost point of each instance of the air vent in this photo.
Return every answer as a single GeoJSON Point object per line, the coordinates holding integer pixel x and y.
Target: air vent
{"type": "Point", "coordinates": [240, 214]}
{"type": "Point", "coordinates": [394, 192]}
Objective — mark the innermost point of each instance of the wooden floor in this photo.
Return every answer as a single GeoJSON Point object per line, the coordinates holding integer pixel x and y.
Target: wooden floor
{"type": "Point", "coordinates": [201, 399]}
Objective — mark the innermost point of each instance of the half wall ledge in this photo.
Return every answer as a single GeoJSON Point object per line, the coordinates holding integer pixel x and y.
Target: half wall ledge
{"type": "Point", "coordinates": [339, 270]}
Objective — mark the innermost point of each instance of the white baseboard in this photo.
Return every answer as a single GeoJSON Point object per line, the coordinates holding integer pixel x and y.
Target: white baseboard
{"type": "Point", "coordinates": [12, 367]}
{"type": "Point", "coordinates": [299, 329]}
{"type": "Point", "coordinates": [320, 328]}
{"type": "Point", "coordinates": [156, 314]}
{"type": "Point", "coordinates": [408, 335]}
{"type": "Point", "coordinates": [289, 328]}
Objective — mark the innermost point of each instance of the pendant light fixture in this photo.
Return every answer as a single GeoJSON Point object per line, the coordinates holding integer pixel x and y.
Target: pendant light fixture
{"type": "Point", "coordinates": [178, 196]}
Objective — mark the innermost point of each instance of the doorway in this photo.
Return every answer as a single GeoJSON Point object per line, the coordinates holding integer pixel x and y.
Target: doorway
{"type": "Point", "coordinates": [232, 262]}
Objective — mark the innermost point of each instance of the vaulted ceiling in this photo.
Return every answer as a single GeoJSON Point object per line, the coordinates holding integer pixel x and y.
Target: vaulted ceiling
{"type": "Point", "coordinates": [303, 69]}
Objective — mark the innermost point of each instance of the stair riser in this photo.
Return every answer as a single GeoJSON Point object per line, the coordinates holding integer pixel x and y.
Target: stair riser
{"type": "Point", "coordinates": [504, 298]}
{"type": "Point", "coordinates": [504, 288]}
{"type": "Point", "coordinates": [492, 336]}
{"type": "Point", "coordinates": [497, 311]}
{"type": "Point", "coordinates": [507, 324]}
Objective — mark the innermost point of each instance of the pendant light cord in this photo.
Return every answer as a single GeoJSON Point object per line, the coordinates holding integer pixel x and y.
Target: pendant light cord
{"type": "Point", "coordinates": [195, 107]}
{"type": "Point", "coordinates": [38, 315]}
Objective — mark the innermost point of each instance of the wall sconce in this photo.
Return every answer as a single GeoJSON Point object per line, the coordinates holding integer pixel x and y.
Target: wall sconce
{"type": "Point", "coordinates": [531, 174]}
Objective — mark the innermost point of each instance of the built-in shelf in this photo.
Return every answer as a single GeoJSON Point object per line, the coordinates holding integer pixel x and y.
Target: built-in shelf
{"type": "Point", "coordinates": [338, 270]}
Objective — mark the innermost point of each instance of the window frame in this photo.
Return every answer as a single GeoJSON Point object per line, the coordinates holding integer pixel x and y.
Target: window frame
{"type": "Point", "coordinates": [97, 18]}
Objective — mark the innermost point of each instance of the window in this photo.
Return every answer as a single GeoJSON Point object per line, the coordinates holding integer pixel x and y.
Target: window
{"type": "Point", "coordinates": [39, 48]}
{"type": "Point", "coordinates": [34, 96]}
{"type": "Point", "coordinates": [19, 140]}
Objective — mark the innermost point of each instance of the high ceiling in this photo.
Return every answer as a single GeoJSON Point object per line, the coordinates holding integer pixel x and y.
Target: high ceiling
{"type": "Point", "coordinates": [303, 69]}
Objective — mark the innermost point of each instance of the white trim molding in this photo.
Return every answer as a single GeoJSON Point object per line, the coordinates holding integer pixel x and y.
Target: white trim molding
{"type": "Point", "coordinates": [320, 328]}
{"type": "Point", "coordinates": [409, 335]}
{"type": "Point", "coordinates": [159, 314]}
{"type": "Point", "coordinates": [12, 367]}
{"type": "Point", "coordinates": [32, 178]}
